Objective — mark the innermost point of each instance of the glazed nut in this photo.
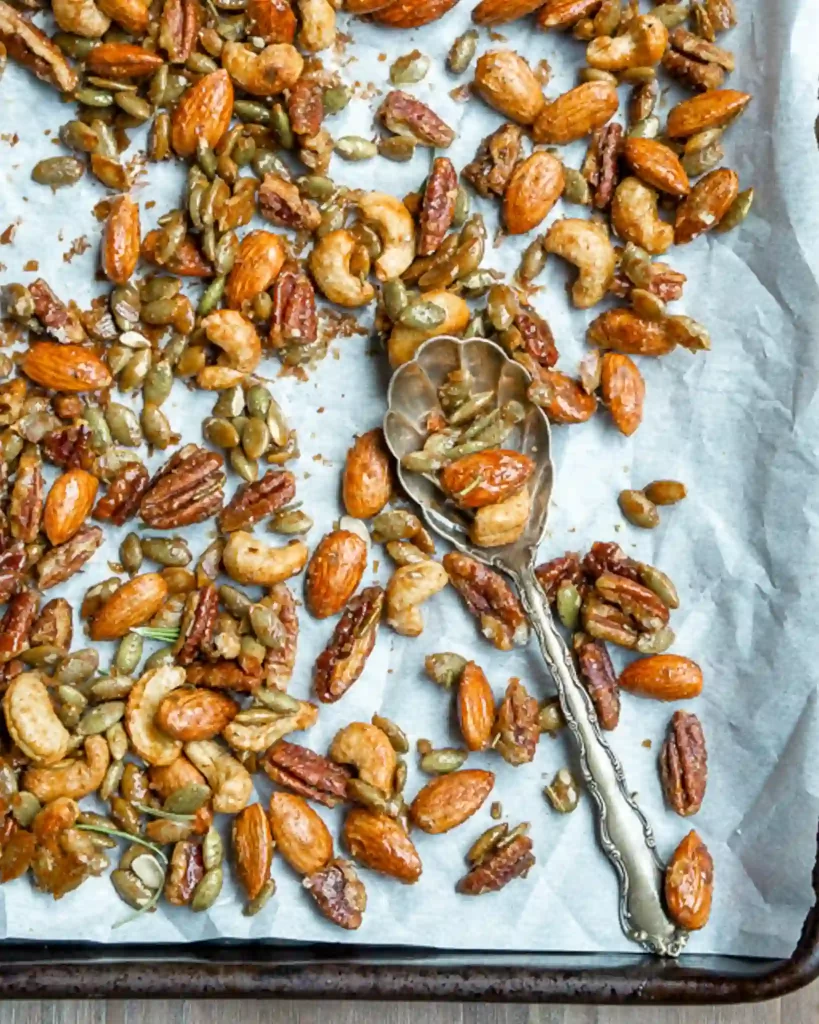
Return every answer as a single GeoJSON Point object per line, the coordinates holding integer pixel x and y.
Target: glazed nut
{"type": "Point", "coordinates": [334, 572]}
{"type": "Point", "coordinates": [623, 391]}
{"type": "Point", "coordinates": [367, 481]}
{"type": "Point", "coordinates": [403, 342]}
{"type": "Point", "coordinates": [336, 888]}
{"type": "Point", "coordinates": [393, 224]}
{"type": "Point", "coordinates": [369, 751]}
{"type": "Point", "coordinates": [535, 186]}
{"type": "Point", "coordinates": [488, 596]}
{"type": "Point", "coordinates": [684, 764]}
{"type": "Point", "coordinates": [253, 848]}
{"type": "Point", "coordinates": [476, 707]}
{"type": "Point", "coordinates": [69, 368]}
{"type": "Point", "coordinates": [576, 113]}
{"type": "Point", "coordinates": [486, 478]}
{"type": "Point", "coordinates": [409, 118]}
{"type": "Point", "coordinates": [203, 112]}
{"type": "Point", "coordinates": [300, 835]}
{"type": "Point", "coordinates": [342, 661]}
{"type": "Point", "coordinates": [623, 330]}
{"type": "Point", "coordinates": [504, 80]}
{"type": "Point", "coordinates": [635, 217]}
{"type": "Point", "coordinates": [706, 205]}
{"type": "Point", "coordinates": [147, 740]}
{"type": "Point", "coordinates": [408, 588]}
{"type": "Point", "coordinates": [230, 781]}
{"type": "Point", "coordinates": [689, 883]}
{"type": "Point", "coordinates": [381, 844]}
{"type": "Point", "coordinates": [247, 560]}
{"type": "Point", "coordinates": [657, 165]}
{"type": "Point", "coordinates": [256, 266]}
{"type": "Point", "coordinates": [503, 523]}
{"type": "Point", "coordinates": [642, 45]}
{"type": "Point", "coordinates": [712, 109]}
{"type": "Point", "coordinates": [74, 780]}
{"type": "Point", "coordinates": [68, 504]}
{"type": "Point", "coordinates": [517, 726]}
{"type": "Point", "coordinates": [498, 12]}
{"type": "Point", "coordinates": [262, 73]}
{"type": "Point", "coordinates": [331, 266]}
{"type": "Point", "coordinates": [586, 245]}
{"type": "Point", "coordinates": [132, 605]}
{"type": "Point", "coordinates": [119, 251]}
{"type": "Point", "coordinates": [663, 677]}
{"type": "Point", "coordinates": [304, 772]}
{"type": "Point", "coordinates": [448, 800]}
{"type": "Point", "coordinates": [511, 858]}
{"type": "Point", "coordinates": [195, 714]}
{"type": "Point", "coordinates": [32, 721]}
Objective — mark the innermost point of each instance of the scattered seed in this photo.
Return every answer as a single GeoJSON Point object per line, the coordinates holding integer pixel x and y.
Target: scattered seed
{"type": "Point", "coordinates": [187, 799]}
{"type": "Point", "coordinates": [562, 793]}
{"type": "Point", "coordinates": [101, 718]}
{"type": "Point", "coordinates": [58, 171]}
{"type": "Point", "coordinates": [398, 148]}
{"type": "Point", "coordinates": [568, 602]}
{"type": "Point", "coordinates": [129, 654]}
{"type": "Point", "coordinates": [551, 718]}
{"type": "Point", "coordinates": [661, 584]}
{"type": "Point", "coordinates": [422, 316]}
{"type": "Point", "coordinates": [486, 843]}
{"type": "Point", "coordinates": [639, 510]}
{"type": "Point", "coordinates": [168, 551]}
{"type": "Point", "coordinates": [336, 99]}
{"type": "Point", "coordinates": [737, 211]}
{"type": "Point", "coordinates": [213, 851]}
{"type": "Point", "coordinates": [462, 52]}
{"type": "Point", "coordinates": [290, 522]}
{"type": "Point", "coordinates": [260, 900]}
{"type": "Point", "coordinates": [443, 761]}
{"type": "Point", "coordinates": [396, 735]}
{"type": "Point", "coordinates": [445, 669]}
{"type": "Point", "coordinates": [355, 147]}
{"type": "Point", "coordinates": [410, 69]}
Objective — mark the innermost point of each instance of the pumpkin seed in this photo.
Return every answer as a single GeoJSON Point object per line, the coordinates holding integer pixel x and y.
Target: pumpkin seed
{"type": "Point", "coordinates": [422, 316]}
{"type": "Point", "coordinates": [639, 511]}
{"type": "Point", "coordinates": [562, 793]}
{"type": "Point", "coordinates": [251, 648]}
{"type": "Point", "coordinates": [702, 152]}
{"type": "Point", "coordinates": [130, 889]}
{"type": "Point", "coordinates": [213, 851]}
{"type": "Point", "coordinates": [77, 667]}
{"type": "Point", "coordinates": [101, 718]}
{"type": "Point", "coordinates": [260, 900]}
{"type": "Point", "coordinates": [410, 69]}
{"type": "Point", "coordinates": [255, 438]}
{"type": "Point", "coordinates": [158, 383]}
{"type": "Point", "coordinates": [252, 112]}
{"type": "Point", "coordinates": [291, 522]}
{"type": "Point", "coordinates": [220, 432]}
{"type": "Point", "coordinates": [113, 777]}
{"type": "Point", "coordinates": [394, 294]}
{"type": "Point", "coordinates": [168, 551]}
{"type": "Point", "coordinates": [267, 626]}
{"type": "Point", "coordinates": [661, 584]}
{"type": "Point", "coordinates": [671, 15]}
{"type": "Point", "coordinates": [71, 696]}
{"type": "Point", "coordinates": [372, 798]}
{"type": "Point", "coordinates": [737, 211]}
{"type": "Point", "coordinates": [258, 400]}
{"type": "Point", "coordinates": [117, 741]}
{"type": "Point", "coordinates": [575, 188]}
{"type": "Point", "coordinates": [443, 761]}
{"type": "Point", "coordinates": [129, 654]}
{"type": "Point", "coordinates": [123, 424]}
{"type": "Point", "coordinates": [134, 106]}
{"type": "Point", "coordinates": [207, 892]}
{"type": "Point", "coordinates": [551, 718]}
{"type": "Point", "coordinates": [135, 370]}
{"type": "Point", "coordinates": [398, 148]}
{"type": "Point", "coordinates": [280, 123]}
{"type": "Point", "coordinates": [24, 808]}
{"type": "Point", "coordinates": [58, 171]}
{"type": "Point", "coordinates": [462, 52]}
{"type": "Point", "coordinates": [159, 85]}
{"type": "Point", "coordinates": [597, 75]}
{"type": "Point", "coordinates": [112, 688]}
{"type": "Point", "coordinates": [94, 97]}
{"type": "Point", "coordinates": [399, 780]}
{"type": "Point", "coordinates": [476, 328]}
{"type": "Point", "coordinates": [236, 602]}
{"type": "Point", "coordinates": [148, 870]}
{"type": "Point", "coordinates": [247, 469]}
{"type": "Point", "coordinates": [689, 333]}
{"type": "Point", "coordinates": [212, 296]}
{"type": "Point", "coordinates": [648, 128]}
{"type": "Point", "coordinates": [277, 424]}
{"type": "Point", "coordinates": [568, 602]}
{"type": "Point", "coordinates": [646, 304]}
{"type": "Point", "coordinates": [396, 735]}
{"type": "Point", "coordinates": [187, 799]}
{"type": "Point", "coordinates": [486, 843]}
{"type": "Point", "coordinates": [316, 186]}
{"type": "Point", "coordinates": [657, 642]}
{"type": "Point", "coordinates": [125, 815]}
{"type": "Point", "coordinates": [355, 148]}
{"type": "Point", "coordinates": [230, 403]}
{"type": "Point", "coordinates": [79, 136]}
{"type": "Point", "coordinates": [445, 669]}
{"type": "Point", "coordinates": [77, 47]}
{"type": "Point", "coordinates": [532, 262]}
{"type": "Point", "coordinates": [42, 656]}
{"type": "Point", "coordinates": [336, 98]}
{"type": "Point", "coordinates": [638, 75]}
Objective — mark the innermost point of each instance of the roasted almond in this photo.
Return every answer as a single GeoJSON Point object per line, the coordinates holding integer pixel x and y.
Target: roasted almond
{"type": "Point", "coordinates": [69, 502]}
{"type": "Point", "coordinates": [476, 707]}
{"type": "Point", "coordinates": [563, 13]}
{"type": "Point", "coordinates": [689, 883]}
{"type": "Point", "coordinates": [505, 81]}
{"type": "Point", "coordinates": [663, 676]}
{"type": "Point", "coordinates": [562, 398]}
{"type": "Point", "coordinates": [496, 12]}
{"type": "Point", "coordinates": [187, 261]}
{"type": "Point", "coordinates": [712, 109]}
{"type": "Point", "coordinates": [204, 111]}
{"type": "Point", "coordinates": [65, 367]}
{"type": "Point", "coordinates": [334, 572]}
{"type": "Point", "coordinates": [258, 262]}
{"type": "Point", "coordinates": [623, 330]}
{"type": "Point", "coordinates": [447, 801]}
{"type": "Point", "coordinates": [195, 714]}
{"type": "Point", "coordinates": [657, 165]}
{"type": "Point", "coordinates": [709, 201]}
{"type": "Point", "coordinates": [576, 113]}
{"type": "Point", "coordinates": [132, 15]}
{"type": "Point", "coordinates": [381, 844]}
{"type": "Point", "coordinates": [367, 481]}
{"type": "Point", "coordinates": [132, 605]}
{"type": "Point", "coordinates": [486, 478]}
{"type": "Point", "coordinates": [300, 835]}
{"type": "Point", "coordinates": [536, 185]}
{"type": "Point", "coordinates": [253, 848]}
{"type": "Point", "coordinates": [271, 20]}
{"type": "Point", "coordinates": [122, 60]}
{"type": "Point", "coordinates": [623, 390]}
{"type": "Point", "coordinates": [119, 251]}
{"type": "Point", "coordinates": [412, 13]}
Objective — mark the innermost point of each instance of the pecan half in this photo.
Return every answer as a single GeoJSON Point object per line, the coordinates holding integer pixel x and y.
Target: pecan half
{"type": "Point", "coordinates": [223, 675]}
{"type": "Point", "coordinates": [517, 727]}
{"type": "Point", "coordinates": [637, 601]}
{"type": "Point", "coordinates": [504, 863]}
{"type": "Point", "coordinates": [405, 115]}
{"type": "Point", "coordinates": [280, 661]}
{"type": "Point", "coordinates": [305, 106]}
{"type": "Point", "coordinates": [58, 320]}
{"type": "Point", "coordinates": [187, 490]}
{"type": "Point", "coordinates": [53, 627]}
{"type": "Point", "coordinates": [179, 27]}
{"type": "Point", "coordinates": [294, 320]}
{"type": "Point", "coordinates": [306, 773]}
{"type": "Point", "coordinates": [537, 337]}
{"type": "Point", "coordinates": [491, 170]}
{"type": "Point", "coordinates": [69, 447]}
{"type": "Point", "coordinates": [196, 627]}
{"type": "Point", "coordinates": [124, 494]}
{"type": "Point", "coordinates": [722, 14]}
{"type": "Point", "coordinates": [606, 556]}
{"type": "Point", "coordinates": [490, 598]}
{"type": "Point", "coordinates": [692, 72]}
{"type": "Point", "coordinates": [563, 568]}
{"type": "Point", "coordinates": [59, 564]}
{"type": "Point", "coordinates": [281, 203]}
{"type": "Point", "coordinates": [12, 565]}
{"type": "Point", "coordinates": [26, 505]}
{"type": "Point", "coordinates": [598, 676]}
{"type": "Point", "coordinates": [253, 501]}
{"type": "Point", "coordinates": [34, 50]}
{"type": "Point", "coordinates": [661, 280]}
{"type": "Point", "coordinates": [700, 49]}
{"type": "Point", "coordinates": [602, 174]}
{"type": "Point", "coordinates": [605, 622]}
{"type": "Point", "coordinates": [341, 663]}
{"type": "Point", "coordinates": [186, 871]}
{"type": "Point", "coordinates": [437, 206]}
{"type": "Point", "coordinates": [16, 624]}
{"type": "Point", "coordinates": [339, 893]}
{"type": "Point", "coordinates": [684, 764]}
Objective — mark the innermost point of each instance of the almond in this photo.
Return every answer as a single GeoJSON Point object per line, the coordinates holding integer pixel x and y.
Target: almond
{"type": "Point", "coordinates": [65, 367]}
{"type": "Point", "coordinates": [622, 330]}
{"type": "Point", "coordinates": [257, 265]}
{"type": "Point", "coordinates": [69, 502]}
{"type": "Point", "coordinates": [505, 81]}
{"type": "Point", "coordinates": [413, 13]}
{"type": "Point", "coordinates": [132, 15]}
{"type": "Point", "coordinates": [563, 13]}
{"type": "Point", "coordinates": [486, 478]}
{"type": "Point", "coordinates": [300, 835]}
{"type": "Point", "coordinates": [536, 185]}
{"type": "Point", "coordinates": [204, 111]}
{"type": "Point", "coordinates": [253, 848]}
{"type": "Point", "coordinates": [623, 390]}
{"type": "Point", "coordinates": [334, 572]}
{"type": "Point", "coordinates": [132, 605]}
{"type": "Point", "coordinates": [449, 800]}
{"type": "Point", "coordinates": [663, 676]}
{"type": "Point", "coordinates": [657, 165]}
{"type": "Point", "coordinates": [122, 60]}
{"type": "Point", "coordinates": [712, 109]}
{"type": "Point", "coordinates": [709, 201]}
{"type": "Point", "coordinates": [271, 20]}
{"type": "Point", "coordinates": [689, 883]}
{"type": "Point", "coordinates": [367, 481]}
{"type": "Point", "coordinates": [195, 714]}
{"type": "Point", "coordinates": [119, 251]}
{"type": "Point", "coordinates": [576, 113]}
{"type": "Point", "coordinates": [187, 261]}
{"type": "Point", "coordinates": [381, 844]}
{"type": "Point", "coordinates": [496, 12]}
{"type": "Point", "coordinates": [562, 398]}
{"type": "Point", "coordinates": [476, 707]}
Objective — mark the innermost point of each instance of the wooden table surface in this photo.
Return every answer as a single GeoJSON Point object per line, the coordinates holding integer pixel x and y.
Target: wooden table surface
{"type": "Point", "coordinates": [801, 1008]}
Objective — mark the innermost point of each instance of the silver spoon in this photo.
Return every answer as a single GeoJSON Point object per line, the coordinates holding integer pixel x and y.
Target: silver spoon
{"type": "Point", "coordinates": [625, 835]}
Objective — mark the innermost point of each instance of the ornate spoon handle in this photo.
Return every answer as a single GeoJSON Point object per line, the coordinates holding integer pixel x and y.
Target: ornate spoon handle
{"type": "Point", "coordinates": [625, 835]}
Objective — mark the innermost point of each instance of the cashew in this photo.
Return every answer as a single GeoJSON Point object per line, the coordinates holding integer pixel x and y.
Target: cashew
{"type": "Point", "coordinates": [318, 25]}
{"type": "Point", "coordinates": [82, 17]}
{"type": "Point", "coordinates": [55, 817]}
{"type": "Point", "coordinates": [248, 560]}
{"type": "Point", "coordinates": [219, 378]}
{"type": "Point", "coordinates": [32, 721]}
{"type": "Point", "coordinates": [369, 750]}
{"type": "Point", "coordinates": [259, 736]}
{"type": "Point", "coordinates": [230, 781]}
{"type": "Point", "coordinates": [503, 523]}
{"type": "Point", "coordinates": [405, 341]}
{"type": "Point", "coordinates": [643, 45]}
{"type": "Point", "coordinates": [395, 227]}
{"type": "Point", "coordinates": [330, 266]}
{"type": "Point", "coordinates": [276, 68]}
{"type": "Point", "coordinates": [75, 779]}
{"type": "Point", "coordinates": [635, 218]}
{"type": "Point", "coordinates": [152, 745]}
{"type": "Point", "coordinates": [409, 587]}
{"type": "Point", "coordinates": [585, 243]}
{"type": "Point", "coordinates": [237, 337]}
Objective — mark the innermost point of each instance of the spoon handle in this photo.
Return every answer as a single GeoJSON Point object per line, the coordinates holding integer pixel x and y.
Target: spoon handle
{"type": "Point", "coordinates": [625, 835]}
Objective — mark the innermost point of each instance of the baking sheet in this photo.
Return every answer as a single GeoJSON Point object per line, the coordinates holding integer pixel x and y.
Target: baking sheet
{"type": "Point", "coordinates": [738, 425]}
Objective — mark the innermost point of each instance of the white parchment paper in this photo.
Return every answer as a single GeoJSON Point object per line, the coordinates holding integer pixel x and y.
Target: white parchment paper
{"type": "Point", "coordinates": [739, 425]}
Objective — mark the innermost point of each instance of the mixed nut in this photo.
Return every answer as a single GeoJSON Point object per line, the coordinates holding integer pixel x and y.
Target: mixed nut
{"type": "Point", "coordinates": [240, 92]}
